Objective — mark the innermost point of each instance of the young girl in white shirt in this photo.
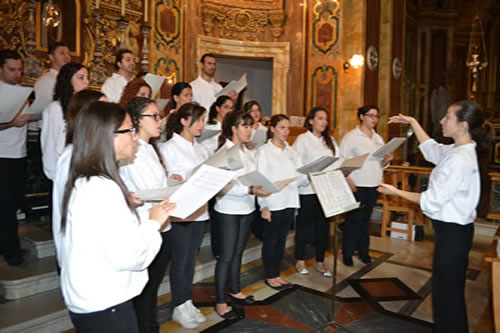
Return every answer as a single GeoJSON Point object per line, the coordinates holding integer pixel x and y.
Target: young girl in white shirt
{"type": "Point", "coordinates": [450, 201]}
{"type": "Point", "coordinates": [278, 161]}
{"type": "Point", "coordinates": [234, 214]}
{"type": "Point", "coordinates": [146, 172]}
{"type": "Point", "coordinates": [312, 223]}
{"type": "Point", "coordinates": [222, 106]}
{"type": "Point", "coordinates": [181, 154]}
{"type": "Point", "coordinates": [364, 181]}
{"type": "Point", "coordinates": [105, 247]}
{"type": "Point", "coordinates": [253, 108]}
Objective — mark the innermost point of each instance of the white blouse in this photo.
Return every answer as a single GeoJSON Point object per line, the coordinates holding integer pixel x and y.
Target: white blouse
{"type": "Point", "coordinates": [145, 172]}
{"type": "Point", "coordinates": [356, 143]}
{"type": "Point", "coordinates": [104, 251]}
{"type": "Point", "coordinates": [181, 157]}
{"type": "Point", "coordinates": [113, 87]}
{"type": "Point", "coordinates": [279, 164]}
{"type": "Point", "coordinates": [236, 199]}
{"type": "Point", "coordinates": [310, 148]}
{"type": "Point", "coordinates": [52, 137]}
{"type": "Point", "coordinates": [454, 184]}
{"type": "Point", "coordinates": [211, 143]}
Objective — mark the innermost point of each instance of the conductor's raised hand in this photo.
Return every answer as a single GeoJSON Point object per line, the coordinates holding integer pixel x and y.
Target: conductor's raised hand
{"type": "Point", "coordinates": [161, 211]}
{"type": "Point", "coordinates": [400, 119]}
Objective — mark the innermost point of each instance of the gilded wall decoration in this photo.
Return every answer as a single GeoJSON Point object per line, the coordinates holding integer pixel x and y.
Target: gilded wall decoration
{"type": "Point", "coordinates": [324, 84]}
{"type": "Point", "coordinates": [243, 19]}
{"type": "Point", "coordinates": [325, 27]}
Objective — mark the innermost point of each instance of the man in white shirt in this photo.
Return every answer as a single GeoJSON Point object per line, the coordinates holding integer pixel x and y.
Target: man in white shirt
{"type": "Point", "coordinates": [58, 56]}
{"type": "Point", "coordinates": [125, 67]}
{"type": "Point", "coordinates": [205, 87]}
{"type": "Point", "coordinates": [12, 164]}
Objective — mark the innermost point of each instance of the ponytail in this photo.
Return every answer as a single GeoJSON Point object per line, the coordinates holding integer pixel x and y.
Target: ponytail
{"type": "Point", "coordinates": [274, 122]}
{"type": "Point", "coordinates": [480, 129]}
{"type": "Point", "coordinates": [232, 119]}
{"type": "Point", "coordinates": [186, 111]}
{"type": "Point", "coordinates": [212, 114]}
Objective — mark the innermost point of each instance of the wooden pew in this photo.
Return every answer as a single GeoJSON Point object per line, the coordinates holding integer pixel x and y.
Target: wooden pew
{"type": "Point", "coordinates": [492, 257]}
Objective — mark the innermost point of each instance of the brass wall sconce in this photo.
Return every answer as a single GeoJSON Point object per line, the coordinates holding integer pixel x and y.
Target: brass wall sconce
{"type": "Point", "coordinates": [356, 61]}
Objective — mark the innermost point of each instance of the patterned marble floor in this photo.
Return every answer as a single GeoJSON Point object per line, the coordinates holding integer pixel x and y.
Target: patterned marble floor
{"type": "Point", "coordinates": [392, 294]}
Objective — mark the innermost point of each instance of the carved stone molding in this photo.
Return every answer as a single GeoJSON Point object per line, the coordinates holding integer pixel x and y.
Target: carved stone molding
{"type": "Point", "coordinates": [243, 19]}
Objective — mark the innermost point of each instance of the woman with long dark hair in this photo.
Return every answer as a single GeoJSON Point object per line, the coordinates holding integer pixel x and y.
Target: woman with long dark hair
{"type": "Point", "coordinates": [182, 93]}
{"type": "Point", "coordinates": [450, 201]}
{"type": "Point", "coordinates": [234, 214]}
{"type": "Point", "coordinates": [312, 224]}
{"type": "Point", "coordinates": [72, 78]}
{"type": "Point", "coordinates": [278, 161]}
{"type": "Point", "coordinates": [104, 246]}
{"type": "Point", "coordinates": [181, 154]}
{"type": "Point", "coordinates": [253, 109]}
{"type": "Point", "coordinates": [221, 107]}
{"type": "Point", "coordinates": [364, 181]}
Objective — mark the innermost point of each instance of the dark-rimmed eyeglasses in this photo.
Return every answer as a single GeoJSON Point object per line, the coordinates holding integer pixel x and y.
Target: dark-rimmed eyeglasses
{"type": "Point", "coordinates": [127, 130]}
{"type": "Point", "coordinates": [156, 116]}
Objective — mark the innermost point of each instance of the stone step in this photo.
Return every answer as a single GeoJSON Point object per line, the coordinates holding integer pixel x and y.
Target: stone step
{"type": "Point", "coordinates": [37, 240]}
{"type": "Point", "coordinates": [46, 313]}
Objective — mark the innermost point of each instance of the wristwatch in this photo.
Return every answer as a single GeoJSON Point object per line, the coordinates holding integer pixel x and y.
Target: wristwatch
{"type": "Point", "coordinates": [250, 190]}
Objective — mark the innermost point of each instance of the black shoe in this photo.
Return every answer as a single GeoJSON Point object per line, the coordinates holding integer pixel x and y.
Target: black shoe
{"type": "Point", "coordinates": [366, 259]}
{"type": "Point", "coordinates": [287, 285]}
{"type": "Point", "coordinates": [243, 301]}
{"type": "Point", "coordinates": [348, 262]}
{"type": "Point", "coordinates": [278, 288]}
{"type": "Point", "coordinates": [14, 259]}
{"type": "Point", "coordinates": [230, 315]}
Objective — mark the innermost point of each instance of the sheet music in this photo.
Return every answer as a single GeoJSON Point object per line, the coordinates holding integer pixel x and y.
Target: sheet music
{"type": "Point", "coordinates": [353, 163]}
{"type": "Point", "coordinates": [162, 103]}
{"type": "Point", "coordinates": [259, 137]}
{"type": "Point", "coordinates": [233, 158]}
{"type": "Point", "coordinates": [333, 192]}
{"type": "Point", "coordinates": [234, 85]}
{"type": "Point", "coordinates": [255, 178]}
{"type": "Point", "coordinates": [155, 81]}
{"type": "Point", "coordinates": [158, 194]}
{"type": "Point", "coordinates": [13, 98]}
{"type": "Point", "coordinates": [199, 189]}
{"type": "Point", "coordinates": [36, 108]}
{"type": "Point", "coordinates": [318, 165]}
{"type": "Point", "coordinates": [389, 147]}
{"type": "Point", "coordinates": [219, 160]}
{"type": "Point", "coordinates": [207, 133]}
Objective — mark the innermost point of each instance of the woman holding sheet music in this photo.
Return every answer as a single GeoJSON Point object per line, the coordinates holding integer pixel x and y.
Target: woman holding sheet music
{"type": "Point", "coordinates": [234, 214]}
{"type": "Point", "coordinates": [145, 172]}
{"type": "Point", "coordinates": [364, 181]}
{"type": "Point", "coordinates": [105, 247]}
{"type": "Point", "coordinates": [181, 154]}
{"type": "Point", "coordinates": [450, 201]}
{"type": "Point", "coordinates": [312, 225]}
{"type": "Point", "coordinates": [278, 161]}
{"type": "Point", "coordinates": [222, 106]}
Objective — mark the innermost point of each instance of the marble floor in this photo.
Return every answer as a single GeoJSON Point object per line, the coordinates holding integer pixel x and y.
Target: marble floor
{"type": "Point", "coordinates": [391, 294]}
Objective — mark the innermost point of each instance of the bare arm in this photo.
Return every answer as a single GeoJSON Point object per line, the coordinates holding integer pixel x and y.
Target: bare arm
{"type": "Point", "coordinates": [420, 133]}
{"type": "Point", "coordinates": [391, 190]}
{"type": "Point", "coordinates": [19, 121]}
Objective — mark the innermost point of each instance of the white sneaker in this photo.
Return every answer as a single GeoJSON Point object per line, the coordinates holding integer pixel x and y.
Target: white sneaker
{"type": "Point", "coordinates": [196, 313]}
{"type": "Point", "coordinates": [182, 315]}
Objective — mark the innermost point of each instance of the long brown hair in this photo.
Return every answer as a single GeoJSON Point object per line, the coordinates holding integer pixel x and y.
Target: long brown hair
{"type": "Point", "coordinates": [79, 102]}
{"type": "Point", "coordinates": [235, 119]}
{"type": "Point", "coordinates": [131, 89]}
{"type": "Point", "coordinates": [274, 122]}
{"type": "Point", "coordinates": [187, 110]}
{"type": "Point", "coordinates": [93, 150]}
{"type": "Point", "coordinates": [326, 133]}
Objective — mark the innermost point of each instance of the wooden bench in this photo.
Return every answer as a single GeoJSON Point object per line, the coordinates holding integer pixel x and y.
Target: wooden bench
{"type": "Point", "coordinates": [492, 257]}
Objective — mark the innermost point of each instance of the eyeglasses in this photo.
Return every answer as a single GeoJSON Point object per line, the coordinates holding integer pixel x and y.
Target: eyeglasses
{"type": "Point", "coordinates": [371, 115]}
{"type": "Point", "coordinates": [156, 116]}
{"type": "Point", "coordinates": [227, 107]}
{"type": "Point", "coordinates": [127, 130]}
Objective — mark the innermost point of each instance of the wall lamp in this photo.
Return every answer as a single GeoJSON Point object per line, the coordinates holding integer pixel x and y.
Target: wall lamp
{"type": "Point", "coordinates": [356, 61]}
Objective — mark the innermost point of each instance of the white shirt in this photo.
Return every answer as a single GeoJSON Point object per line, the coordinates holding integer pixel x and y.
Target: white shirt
{"type": "Point", "coordinates": [52, 138]}
{"type": "Point", "coordinates": [236, 200]}
{"type": "Point", "coordinates": [310, 148]}
{"type": "Point", "coordinates": [145, 172]}
{"type": "Point", "coordinates": [13, 141]}
{"type": "Point", "coordinates": [212, 142]}
{"type": "Point", "coordinates": [113, 87]}
{"type": "Point", "coordinates": [44, 86]}
{"type": "Point", "coordinates": [105, 250]}
{"type": "Point", "coordinates": [356, 143]}
{"type": "Point", "coordinates": [279, 164]}
{"type": "Point", "coordinates": [454, 184]}
{"type": "Point", "coordinates": [204, 92]}
{"type": "Point", "coordinates": [60, 179]}
{"type": "Point", "coordinates": [181, 157]}
{"type": "Point", "coordinates": [260, 128]}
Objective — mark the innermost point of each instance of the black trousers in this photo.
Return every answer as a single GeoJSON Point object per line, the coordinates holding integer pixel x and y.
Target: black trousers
{"type": "Point", "coordinates": [233, 233]}
{"type": "Point", "coordinates": [312, 227]}
{"type": "Point", "coordinates": [116, 319]}
{"type": "Point", "coordinates": [357, 224]}
{"type": "Point", "coordinates": [451, 258]}
{"type": "Point", "coordinates": [183, 242]}
{"type": "Point", "coordinates": [145, 303]}
{"type": "Point", "coordinates": [274, 239]}
{"type": "Point", "coordinates": [12, 183]}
